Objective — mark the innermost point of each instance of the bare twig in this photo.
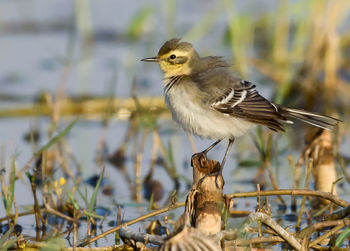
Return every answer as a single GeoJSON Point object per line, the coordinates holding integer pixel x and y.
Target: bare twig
{"type": "Point", "coordinates": [328, 196]}
{"type": "Point", "coordinates": [12, 216]}
{"type": "Point", "coordinates": [59, 214]}
{"type": "Point", "coordinates": [26, 166]}
{"type": "Point", "coordinates": [258, 216]}
{"type": "Point", "coordinates": [306, 233]}
{"type": "Point", "coordinates": [193, 145]}
{"type": "Point", "coordinates": [329, 233]}
{"type": "Point", "coordinates": [42, 210]}
{"type": "Point", "coordinates": [36, 205]}
{"type": "Point", "coordinates": [75, 231]}
{"type": "Point", "coordinates": [274, 182]}
{"type": "Point", "coordinates": [138, 161]}
{"type": "Point", "coordinates": [339, 214]}
{"type": "Point", "coordinates": [128, 233]}
{"type": "Point", "coordinates": [320, 225]}
{"type": "Point", "coordinates": [295, 192]}
{"type": "Point", "coordinates": [308, 172]}
{"type": "Point", "coordinates": [143, 217]}
{"type": "Point", "coordinates": [47, 245]}
{"type": "Point", "coordinates": [230, 234]}
{"type": "Point", "coordinates": [251, 241]}
{"type": "Point", "coordinates": [258, 202]}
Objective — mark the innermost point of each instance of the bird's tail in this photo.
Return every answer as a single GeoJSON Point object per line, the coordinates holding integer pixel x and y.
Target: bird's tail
{"type": "Point", "coordinates": [314, 119]}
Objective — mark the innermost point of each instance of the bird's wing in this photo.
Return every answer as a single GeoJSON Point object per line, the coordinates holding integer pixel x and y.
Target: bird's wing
{"type": "Point", "coordinates": [243, 101]}
{"type": "Point", "coordinates": [223, 91]}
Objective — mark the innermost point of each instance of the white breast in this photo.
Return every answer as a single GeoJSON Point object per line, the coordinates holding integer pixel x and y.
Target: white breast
{"type": "Point", "coordinates": [200, 119]}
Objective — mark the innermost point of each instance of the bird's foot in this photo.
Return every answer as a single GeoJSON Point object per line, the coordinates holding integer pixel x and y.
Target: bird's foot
{"type": "Point", "coordinates": [200, 157]}
{"type": "Point", "coordinates": [208, 168]}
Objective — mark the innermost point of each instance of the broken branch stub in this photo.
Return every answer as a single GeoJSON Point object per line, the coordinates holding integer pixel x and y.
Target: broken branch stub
{"type": "Point", "coordinates": [205, 200]}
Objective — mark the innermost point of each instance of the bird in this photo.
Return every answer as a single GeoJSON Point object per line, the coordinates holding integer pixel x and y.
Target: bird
{"type": "Point", "coordinates": [208, 98]}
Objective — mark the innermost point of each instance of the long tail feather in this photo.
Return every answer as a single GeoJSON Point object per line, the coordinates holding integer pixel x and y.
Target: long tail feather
{"type": "Point", "coordinates": [314, 119]}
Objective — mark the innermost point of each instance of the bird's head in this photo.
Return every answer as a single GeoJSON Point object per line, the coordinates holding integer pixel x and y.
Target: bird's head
{"type": "Point", "coordinates": [175, 58]}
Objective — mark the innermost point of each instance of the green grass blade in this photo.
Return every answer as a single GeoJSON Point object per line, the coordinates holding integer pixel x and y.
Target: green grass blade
{"type": "Point", "coordinates": [11, 191]}
{"type": "Point", "coordinates": [342, 237]}
{"type": "Point", "coordinates": [3, 197]}
{"type": "Point", "coordinates": [138, 23]}
{"type": "Point", "coordinates": [151, 201]}
{"type": "Point", "coordinates": [249, 163]}
{"type": "Point", "coordinates": [57, 137]}
{"type": "Point", "coordinates": [259, 141]}
{"type": "Point", "coordinates": [94, 195]}
{"type": "Point", "coordinates": [5, 242]}
{"type": "Point", "coordinates": [92, 215]}
{"type": "Point", "coordinates": [74, 202]}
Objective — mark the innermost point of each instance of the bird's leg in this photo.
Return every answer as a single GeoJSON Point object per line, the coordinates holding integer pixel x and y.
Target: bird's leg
{"type": "Point", "coordinates": [228, 149]}
{"type": "Point", "coordinates": [216, 174]}
{"type": "Point", "coordinates": [229, 146]}
{"type": "Point", "coordinates": [211, 146]}
{"type": "Point", "coordinates": [208, 149]}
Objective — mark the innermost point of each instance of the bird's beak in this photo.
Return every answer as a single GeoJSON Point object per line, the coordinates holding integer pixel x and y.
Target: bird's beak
{"type": "Point", "coordinates": [151, 59]}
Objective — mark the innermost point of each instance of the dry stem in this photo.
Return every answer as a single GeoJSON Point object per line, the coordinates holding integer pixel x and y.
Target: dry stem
{"type": "Point", "coordinates": [258, 216]}
{"type": "Point", "coordinates": [143, 217]}
{"type": "Point", "coordinates": [328, 196]}
{"type": "Point", "coordinates": [308, 172]}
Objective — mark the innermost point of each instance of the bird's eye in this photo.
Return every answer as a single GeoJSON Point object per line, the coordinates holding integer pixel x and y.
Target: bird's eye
{"type": "Point", "coordinates": [172, 56]}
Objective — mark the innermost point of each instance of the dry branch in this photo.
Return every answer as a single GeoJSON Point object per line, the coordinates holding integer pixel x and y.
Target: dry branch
{"type": "Point", "coordinates": [138, 219]}
{"type": "Point", "coordinates": [205, 198]}
{"type": "Point", "coordinates": [258, 216]}
{"type": "Point", "coordinates": [126, 232]}
{"type": "Point", "coordinates": [300, 192]}
{"type": "Point", "coordinates": [296, 192]}
{"type": "Point", "coordinates": [251, 241]}
{"type": "Point", "coordinates": [339, 214]}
